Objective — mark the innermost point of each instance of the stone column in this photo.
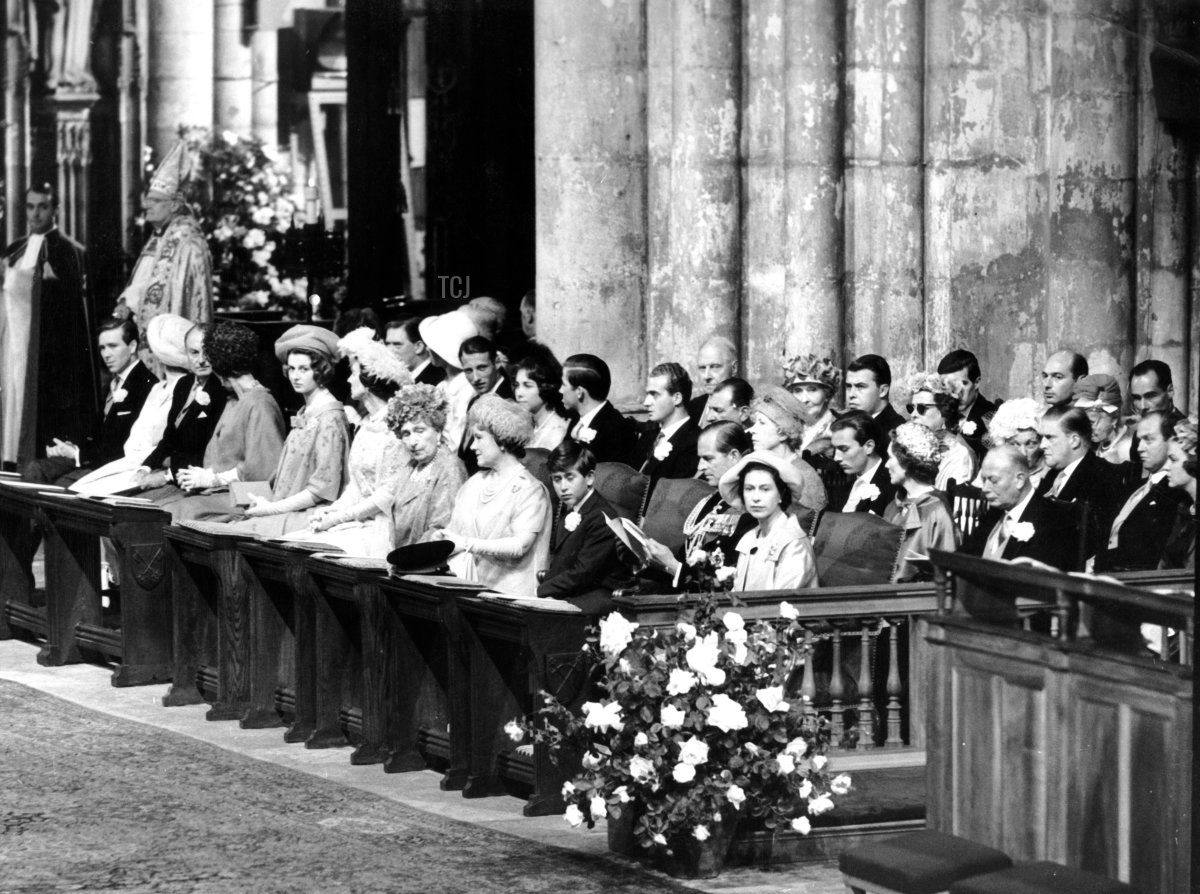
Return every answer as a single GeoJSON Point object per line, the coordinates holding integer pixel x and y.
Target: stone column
{"type": "Point", "coordinates": [1092, 141]}
{"type": "Point", "coordinates": [16, 117]}
{"type": "Point", "coordinates": [180, 82]}
{"type": "Point", "coordinates": [129, 125]}
{"type": "Point", "coordinates": [1162, 325]}
{"type": "Point", "coordinates": [792, 227]}
{"type": "Point", "coordinates": [264, 79]}
{"type": "Point", "coordinates": [885, 83]}
{"type": "Point", "coordinates": [590, 156]}
{"type": "Point", "coordinates": [694, 93]}
{"type": "Point", "coordinates": [986, 199]}
{"type": "Point", "coordinates": [232, 85]}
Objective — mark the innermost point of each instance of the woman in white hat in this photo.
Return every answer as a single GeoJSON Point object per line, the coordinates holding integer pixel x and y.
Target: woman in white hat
{"type": "Point", "coordinates": [501, 524]}
{"type": "Point", "coordinates": [776, 554]}
{"type": "Point", "coordinates": [1015, 422]}
{"type": "Point", "coordinates": [443, 336]}
{"type": "Point", "coordinates": [166, 336]}
{"type": "Point", "coordinates": [360, 520]}
{"type": "Point", "coordinates": [921, 510]}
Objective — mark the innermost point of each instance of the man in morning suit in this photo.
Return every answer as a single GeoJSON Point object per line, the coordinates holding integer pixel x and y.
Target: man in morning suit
{"type": "Point", "coordinates": [584, 568]}
{"type": "Point", "coordinates": [960, 372]}
{"type": "Point", "coordinates": [1151, 390]}
{"type": "Point", "coordinates": [1075, 473]}
{"type": "Point", "coordinates": [715, 362]}
{"type": "Point", "coordinates": [1019, 523]}
{"type": "Point", "coordinates": [668, 448]}
{"type": "Point", "coordinates": [66, 461]}
{"type": "Point", "coordinates": [404, 337]}
{"type": "Point", "coordinates": [857, 444]}
{"type": "Point", "coordinates": [477, 360]}
{"type": "Point", "coordinates": [48, 384]}
{"type": "Point", "coordinates": [868, 382]}
{"type": "Point", "coordinates": [1143, 524]}
{"type": "Point", "coordinates": [609, 435]}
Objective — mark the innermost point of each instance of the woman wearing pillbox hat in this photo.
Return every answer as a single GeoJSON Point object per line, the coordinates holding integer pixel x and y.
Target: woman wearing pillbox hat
{"type": "Point", "coordinates": [778, 428]}
{"type": "Point", "coordinates": [312, 466]}
{"type": "Point", "coordinates": [922, 511]}
{"type": "Point", "coordinates": [501, 523]}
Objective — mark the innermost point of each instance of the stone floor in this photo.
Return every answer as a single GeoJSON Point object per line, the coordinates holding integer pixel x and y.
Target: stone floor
{"type": "Point", "coordinates": [88, 685]}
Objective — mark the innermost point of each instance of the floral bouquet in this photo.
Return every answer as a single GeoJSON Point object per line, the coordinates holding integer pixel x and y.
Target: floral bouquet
{"type": "Point", "coordinates": [694, 728]}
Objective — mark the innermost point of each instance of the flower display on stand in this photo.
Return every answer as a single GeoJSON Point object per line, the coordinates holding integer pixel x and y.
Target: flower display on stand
{"type": "Point", "coordinates": [693, 729]}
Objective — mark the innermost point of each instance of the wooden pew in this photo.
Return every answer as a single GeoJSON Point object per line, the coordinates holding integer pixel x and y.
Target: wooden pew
{"type": "Point", "coordinates": [348, 702]}
{"type": "Point", "coordinates": [22, 606]}
{"type": "Point", "coordinates": [278, 654]}
{"type": "Point", "coordinates": [514, 652]}
{"type": "Point", "coordinates": [425, 684]}
{"type": "Point", "coordinates": [1054, 747]}
{"type": "Point", "coordinates": [138, 636]}
{"type": "Point", "coordinates": [212, 620]}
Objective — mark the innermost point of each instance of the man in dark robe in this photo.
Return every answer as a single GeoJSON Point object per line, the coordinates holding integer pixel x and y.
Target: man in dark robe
{"type": "Point", "coordinates": [48, 382]}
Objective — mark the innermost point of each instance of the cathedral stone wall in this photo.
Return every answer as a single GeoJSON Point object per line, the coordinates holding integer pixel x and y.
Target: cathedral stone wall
{"type": "Point", "coordinates": [848, 176]}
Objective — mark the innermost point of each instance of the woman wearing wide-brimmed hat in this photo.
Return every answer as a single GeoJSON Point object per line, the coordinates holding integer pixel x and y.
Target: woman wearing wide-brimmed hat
{"type": "Point", "coordinates": [776, 554]}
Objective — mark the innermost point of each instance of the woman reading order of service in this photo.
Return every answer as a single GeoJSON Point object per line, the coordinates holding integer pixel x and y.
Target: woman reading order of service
{"type": "Point", "coordinates": [501, 521]}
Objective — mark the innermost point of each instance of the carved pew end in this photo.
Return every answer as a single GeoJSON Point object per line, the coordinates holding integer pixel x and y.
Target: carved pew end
{"type": "Point", "coordinates": [922, 862]}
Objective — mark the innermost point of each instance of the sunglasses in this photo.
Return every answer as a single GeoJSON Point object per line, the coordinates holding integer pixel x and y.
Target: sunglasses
{"type": "Point", "coordinates": [921, 408]}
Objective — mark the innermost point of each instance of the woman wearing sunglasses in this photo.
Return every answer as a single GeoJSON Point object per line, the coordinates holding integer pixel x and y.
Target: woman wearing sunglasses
{"type": "Point", "coordinates": [934, 406]}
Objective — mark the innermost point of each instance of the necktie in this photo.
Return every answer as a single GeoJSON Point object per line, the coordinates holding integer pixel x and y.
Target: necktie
{"type": "Point", "coordinates": [113, 387]}
{"type": "Point", "coordinates": [1136, 497]}
{"type": "Point", "coordinates": [855, 495]}
{"type": "Point", "coordinates": [998, 540]}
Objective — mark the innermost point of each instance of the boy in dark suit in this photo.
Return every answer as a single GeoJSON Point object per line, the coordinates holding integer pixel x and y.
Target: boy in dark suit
{"type": "Point", "coordinates": [583, 551]}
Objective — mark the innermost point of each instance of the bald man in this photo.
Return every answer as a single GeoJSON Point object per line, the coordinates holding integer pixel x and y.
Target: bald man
{"type": "Point", "coordinates": [1059, 375]}
{"type": "Point", "coordinates": [716, 361]}
{"type": "Point", "coordinates": [1019, 523]}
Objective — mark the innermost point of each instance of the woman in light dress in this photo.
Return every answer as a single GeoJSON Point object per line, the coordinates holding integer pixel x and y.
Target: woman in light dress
{"type": "Point", "coordinates": [360, 520]}
{"type": "Point", "coordinates": [312, 466]}
{"type": "Point", "coordinates": [432, 474]}
{"type": "Point", "coordinates": [501, 523]}
{"type": "Point", "coordinates": [776, 554]}
{"type": "Point", "coordinates": [537, 388]}
{"type": "Point", "coordinates": [919, 508]}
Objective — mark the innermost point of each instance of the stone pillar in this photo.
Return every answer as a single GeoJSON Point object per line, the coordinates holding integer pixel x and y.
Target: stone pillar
{"type": "Point", "coordinates": [264, 78]}
{"type": "Point", "coordinates": [885, 209]}
{"type": "Point", "coordinates": [129, 126]}
{"type": "Point", "coordinates": [590, 156]}
{"type": "Point", "coordinates": [180, 82]}
{"type": "Point", "coordinates": [694, 196]}
{"type": "Point", "coordinates": [1162, 327]}
{"type": "Point", "coordinates": [1092, 143]}
{"type": "Point", "coordinates": [16, 118]}
{"type": "Point", "coordinates": [986, 205]}
{"type": "Point", "coordinates": [232, 86]}
{"type": "Point", "coordinates": [792, 229]}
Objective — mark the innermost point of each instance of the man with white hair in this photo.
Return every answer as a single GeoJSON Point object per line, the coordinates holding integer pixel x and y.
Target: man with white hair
{"type": "Point", "coordinates": [1019, 523]}
{"type": "Point", "coordinates": [716, 361]}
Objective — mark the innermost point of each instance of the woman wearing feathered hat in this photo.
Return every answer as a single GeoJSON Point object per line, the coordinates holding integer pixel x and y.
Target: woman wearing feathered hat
{"type": "Point", "coordinates": [360, 520]}
{"type": "Point", "coordinates": [920, 509]}
{"type": "Point", "coordinates": [174, 272]}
